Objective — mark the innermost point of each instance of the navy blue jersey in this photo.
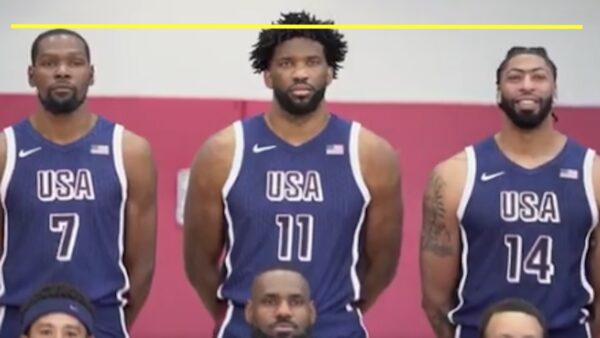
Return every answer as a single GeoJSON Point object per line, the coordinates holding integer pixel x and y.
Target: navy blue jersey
{"type": "Point", "coordinates": [525, 233]}
{"type": "Point", "coordinates": [64, 214]}
{"type": "Point", "coordinates": [296, 205]}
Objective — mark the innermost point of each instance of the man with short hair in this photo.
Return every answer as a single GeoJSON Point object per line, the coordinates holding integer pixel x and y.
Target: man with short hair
{"type": "Point", "coordinates": [280, 305]}
{"type": "Point", "coordinates": [58, 311]}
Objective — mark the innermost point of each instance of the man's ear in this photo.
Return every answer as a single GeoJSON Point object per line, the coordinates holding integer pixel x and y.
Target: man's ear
{"type": "Point", "coordinates": [30, 76]}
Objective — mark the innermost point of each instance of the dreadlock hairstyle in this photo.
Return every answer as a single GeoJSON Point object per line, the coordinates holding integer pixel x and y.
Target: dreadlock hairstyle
{"type": "Point", "coordinates": [539, 51]}
{"type": "Point", "coordinates": [333, 42]}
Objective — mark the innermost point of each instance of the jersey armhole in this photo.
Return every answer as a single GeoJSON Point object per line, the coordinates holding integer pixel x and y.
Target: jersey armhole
{"type": "Point", "coordinates": [354, 156]}
{"type": "Point", "coordinates": [9, 163]}
{"type": "Point", "coordinates": [588, 184]}
{"type": "Point", "coordinates": [238, 155]}
{"type": "Point", "coordinates": [117, 143]}
{"type": "Point", "coordinates": [469, 183]}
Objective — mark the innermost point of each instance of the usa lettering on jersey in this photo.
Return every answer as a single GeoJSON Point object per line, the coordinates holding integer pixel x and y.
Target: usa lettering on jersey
{"type": "Point", "coordinates": [529, 207]}
{"type": "Point", "coordinates": [294, 186]}
{"type": "Point", "coordinates": [537, 260]}
{"type": "Point", "coordinates": [296, 231]}
{"type": "Point", "coordinates": [65, 185]}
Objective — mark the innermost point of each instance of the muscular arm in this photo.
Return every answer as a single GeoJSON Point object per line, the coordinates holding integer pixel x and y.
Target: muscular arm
{"type": "Point", "coordinates": [440, 244]}
{"type": "Point", "coordinates": [383, 222]}
{"type": "Point", "coordinates": [594, 255]}
{"type": "Point", "coordinates": [203, 239]}
{"type": "Point", "coordinates": [140, 221]}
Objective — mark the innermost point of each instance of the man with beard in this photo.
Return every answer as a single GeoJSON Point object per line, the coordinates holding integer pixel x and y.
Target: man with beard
{"type": "Point", "coordinates": [280, 305]}
{"type": "Point", "coordinates": [78, 196]}
{"type": "Point", "coordinates": [513, 216]}
{"type": "Point", "coordinates": [295, 185]}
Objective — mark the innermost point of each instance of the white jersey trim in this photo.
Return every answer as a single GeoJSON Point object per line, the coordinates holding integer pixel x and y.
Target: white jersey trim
{"type": "Point", "coordinates": [588, 184]}
{"type": "Point", "coordinates": [462, 206]}
{"type": "Point", "coordinates": [226, 320]}
{"type": "Point", "coordinates": [117, 144]}
{"type": "Point", "coordinates": [9, 167]}
{"type": "Point", "coordinates": [236, 166]}
{"type": "Point", "coordinates": [354, 157]}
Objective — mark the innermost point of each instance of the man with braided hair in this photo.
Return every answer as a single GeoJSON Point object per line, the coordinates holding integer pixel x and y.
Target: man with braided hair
{"type": "Point", "coordinates": [515, 215]}
{"type": "Point", "coordinates": [296, 185]}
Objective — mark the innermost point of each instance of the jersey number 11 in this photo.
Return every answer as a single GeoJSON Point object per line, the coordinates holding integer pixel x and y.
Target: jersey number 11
{"type": "Point", "coordinates": [295, 229]}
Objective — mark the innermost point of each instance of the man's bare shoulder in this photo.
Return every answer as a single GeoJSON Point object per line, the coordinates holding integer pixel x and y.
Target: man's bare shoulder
{"type": "Point", "coordinates": [452, 174]}
{"type": "Point", "coordinates": [219, 147]}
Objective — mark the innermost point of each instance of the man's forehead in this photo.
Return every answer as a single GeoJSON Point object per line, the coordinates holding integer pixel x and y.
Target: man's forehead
{"type": "Point", "coordinates": [281, 283]}
{"type": "Point", "coordinates": [61, 43]}
{"type": "Point", "coordinates": [527, 62]}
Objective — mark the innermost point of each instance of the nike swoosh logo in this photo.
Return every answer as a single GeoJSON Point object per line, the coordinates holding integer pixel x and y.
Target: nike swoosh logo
{"type": "Point", "coordinates": [487, 177]}
{"type": "Point", "coordinates": [25, 153]}
{"type": "Point", "coordinates": [257, 149]}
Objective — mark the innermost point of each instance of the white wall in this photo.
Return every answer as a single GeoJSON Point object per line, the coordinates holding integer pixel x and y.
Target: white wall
{"type": "Point", "coordinates": [430, 66]}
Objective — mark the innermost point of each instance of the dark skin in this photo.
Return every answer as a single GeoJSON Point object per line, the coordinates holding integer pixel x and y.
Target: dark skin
{"type": "Point", "coordinates": [295, 62]}
{"type": "Point", "coordinates": [62, 70]}
{"type": "Point", "coordinates": [280, 296]}
{"type": "Point", "coordinates": [525, 77]}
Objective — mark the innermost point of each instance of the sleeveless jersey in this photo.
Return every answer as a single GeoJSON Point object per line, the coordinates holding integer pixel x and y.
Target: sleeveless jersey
{"type": "Point", "coordinates": [525, 234]}
{"type": "Point", "coordinates": [295, 205]}
{"type": "Point", "coordinates": [63, 214]}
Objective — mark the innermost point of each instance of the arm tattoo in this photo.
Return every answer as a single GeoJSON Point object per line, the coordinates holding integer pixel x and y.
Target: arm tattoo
{"type": "Point", "coordinates": [435, 236]}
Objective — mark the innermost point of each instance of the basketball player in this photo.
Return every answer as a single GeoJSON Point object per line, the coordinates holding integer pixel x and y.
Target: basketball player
{"type": "Point", "coordinates": [512, 318]}
{"type": "Point", "coordinates": [513, 215]}
{"type": "Point", "coordinates": [78, 195]}
{"type": "Point", "coordinates": [295, 185]}
{"type": "Point", "coordinates": [280, 305]}
{"type": "Point", "coordinates": [58, 311]}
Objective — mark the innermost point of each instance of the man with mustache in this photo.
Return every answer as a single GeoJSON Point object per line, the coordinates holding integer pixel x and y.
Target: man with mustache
{"type": "Point", "coordinates": [513, 216]}
{"type": "Point", "coordinates": [280, 305]}
{"type": "Point", "coordinates": [78, 196]}
{"type": "Point", "coordinates": [296, 185]}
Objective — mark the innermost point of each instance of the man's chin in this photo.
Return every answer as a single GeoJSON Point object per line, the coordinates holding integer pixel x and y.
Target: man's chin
{"type": "Point", "coordinates": [257, 333]}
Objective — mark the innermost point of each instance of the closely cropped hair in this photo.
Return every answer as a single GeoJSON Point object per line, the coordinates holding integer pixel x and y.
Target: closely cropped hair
{"type": "Point", "coordinates": [333, 42]}
{"type": "Point", "coordinates": [514, 51]}
{"type": "Point", "coordinates": [35, 47]}
{"type": "Point", "coordinates": [58, 290]}
{"type": "Point", "coordinates": [512, 305]}
{"type": "Point", "coordinates": [281, 267]}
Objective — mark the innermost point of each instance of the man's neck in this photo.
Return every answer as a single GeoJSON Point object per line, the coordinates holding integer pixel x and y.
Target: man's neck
{"type": "Point", "coordinates": [297, 130]}
{"type": "Point", "coordinates": [63, 128]}
{"type": "Point", "coordinates": [530, 148]}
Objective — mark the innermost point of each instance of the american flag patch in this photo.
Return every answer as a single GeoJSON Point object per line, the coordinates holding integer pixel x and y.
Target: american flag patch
{"type": "Point", "coordinates": [569, 173]}
{"type": "Point", "coordinates": [335, 149]}
{"type": "Point", "coordinates": [99, 149]}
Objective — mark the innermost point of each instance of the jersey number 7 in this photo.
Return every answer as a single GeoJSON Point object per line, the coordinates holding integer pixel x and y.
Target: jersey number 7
{"type": "Point", "coordinates": [67, 225]}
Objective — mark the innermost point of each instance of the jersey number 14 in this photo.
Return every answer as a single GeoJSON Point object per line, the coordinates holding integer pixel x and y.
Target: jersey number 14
{"type": "Point", "coordinates": [537, 262]}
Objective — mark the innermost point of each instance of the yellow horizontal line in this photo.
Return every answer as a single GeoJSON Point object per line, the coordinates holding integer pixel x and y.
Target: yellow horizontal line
{"type": "Point", "coordinates": [335, 26]}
